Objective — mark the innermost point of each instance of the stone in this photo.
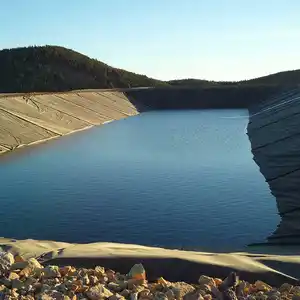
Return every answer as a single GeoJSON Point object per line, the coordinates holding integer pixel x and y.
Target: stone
{"type": "Point", "coordinates": [160, 296]}
{"type": "Point", "coordinates": [111, 275]}
{"type": "Point", "coordinates": [262, 286]}
{"type": "Point", "coordinates": [66, 270]}
{"type": "Point", "coordinates": [134, 296]}
{"type": "Point", "coordinates": [163, 282]}
{"type": "Point", "coordinates": [13, 275]}
{"type": "Point", "coordinates": [134, 282]}
{"type": "Point", "coordinates": [85, 280]}
{"type": "Point", "coordinates": [19, 258]}
{"type": "Point", "coordinates": [93, 279]}
{"type": "Point", "coordinates": [144, 293]}
{"type": "Point", "coordinates": [113, 286]}
{"type": "Point", "coordinates": [16, 284]}
{"type": "Point", "coordinates": [100, 270]}
{"type": "Point", "coordinates": [296, 289]}
{"type": "Point", "coordinates": [98, 291]}
{"type": "Point", "coordinates": [51, 272]}
{"type": "Point", "coordinates": [102, 278]}
{"type": "Point", "coordinates": [195, 295]}
{"type": "Point", "coordinates": [206, 280]}
{"type": "Point", "coordinates": [116, 297]}
{"type": "Point", "coordinates": [137, 272]}
{"type": "Point", "coordinates": [180, 289]}
{"type": "Point", "coordinates": [170, 294]}
{"type": "Point", "coordinates": [28, 268]}
{"type": "Point", "coordinates": [261, 296]}
{"type": "Point", "coordinates": [125, 293]}
{"type": "Point", "coordinates": [217, 281]}
{"type": "Point", "coordinates": [6, 260]}
{"type": "Point", "coordinates": [51, 295]}
{"type": "Point", "coordinates": [273, 297]}
{"type": "Point", "coordinates": [205, 288]}
{"type": "Point", "coordinates": [286, 287]}
{"type": "Point", "coordinates": [5, 281]}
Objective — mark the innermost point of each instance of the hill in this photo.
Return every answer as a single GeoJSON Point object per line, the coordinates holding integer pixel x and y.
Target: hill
{"type": "Point", "coordinates": [287, 78]}
{"type": "Point", "coordinates": [53, 68]}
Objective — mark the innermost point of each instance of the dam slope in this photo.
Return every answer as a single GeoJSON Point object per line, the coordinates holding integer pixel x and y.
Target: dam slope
{"type": "Point", "coordinates": [31, 118]}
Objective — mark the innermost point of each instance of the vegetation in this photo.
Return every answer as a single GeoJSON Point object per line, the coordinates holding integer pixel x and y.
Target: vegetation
{"type": "Point", "coordinates": [53, 68]}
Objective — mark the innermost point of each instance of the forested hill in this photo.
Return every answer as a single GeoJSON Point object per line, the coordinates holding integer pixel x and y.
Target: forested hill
{"type": "Point", "coordinates": [54, 68]}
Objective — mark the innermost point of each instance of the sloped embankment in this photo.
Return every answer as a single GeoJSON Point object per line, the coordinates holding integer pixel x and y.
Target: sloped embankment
{"type": "Point", "coordinates": [31, 118]}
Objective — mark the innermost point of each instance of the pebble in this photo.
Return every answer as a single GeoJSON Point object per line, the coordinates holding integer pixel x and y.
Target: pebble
{"type": "Point", "coordinates": [28, 280]}
{"type": "Point", "coordinates": [206, 280]}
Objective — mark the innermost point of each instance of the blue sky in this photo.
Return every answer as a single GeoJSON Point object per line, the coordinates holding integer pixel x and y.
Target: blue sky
{"type": "Point", "coordinates": [165, 39]}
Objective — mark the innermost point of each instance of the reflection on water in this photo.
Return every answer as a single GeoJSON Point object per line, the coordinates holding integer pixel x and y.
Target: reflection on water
{"type": "Point", "coordinates": [182, 179]}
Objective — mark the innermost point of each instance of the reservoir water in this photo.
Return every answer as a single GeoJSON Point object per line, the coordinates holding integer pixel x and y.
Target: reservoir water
{"type": "Point", "coordinates": [177, 179]}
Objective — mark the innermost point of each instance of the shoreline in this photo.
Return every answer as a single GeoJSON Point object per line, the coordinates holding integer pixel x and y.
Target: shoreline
{"type": "Point", "coordinates": [176, 265]}
{"type": "Point", "coordinates": [35, 118]}
{"type": "Point", "coordinates": [23, 146]}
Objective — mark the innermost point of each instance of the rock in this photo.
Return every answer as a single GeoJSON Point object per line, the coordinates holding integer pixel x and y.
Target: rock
{"type": "Point", "coordinates": [134, 296]}
{"type": "Point", "coordinates": [125, 293]}
{"type": "Point", "coordinates": [29, 268]}
{"type": "Point", "coordinates": [286, 287]}
{"type": "Point", "coordinates": [229, 294]}
{"type": "Point", "coordinates": [180, 289]}
{"type": "Point", "coordinates": [229, 282]}
{"type": "Point", "coordinates": [85, 280]}
{"type": "Point", "coordinates": [98, 291]}
{"type": "Point", "coordinates": [131, 283]}
{"type": "Point", "coordinates": [6, 260]}
{"type": "Point", "coordinates": [45, 287]}
{"type": "Point", "coordinates": [116, 297]}
{"type": "Point", "coordinates": [205, 288]}
{"type": "Point", "coordinates": [243, 288]}
{"type": "Point", "coordinates": [170, 294]}
{"type": "Point", "coordinates": [5, 281]}
{"type": "Point", "coordinates": [160, 296]}
{"type": "Point", "coordinates": [163, 282]}
{"type": "Point", "coordinates": [51, 272]}
{"type": "Point", "coordinates": [16, 284]}
{"type": "Point", "coordinates": [113, 286]}
{"type": "Point", "coordinates": [66, 270]}
{"type": "Point", "coordinates": [262, 286]}
{"type": "Point", "coordinates": [296, 289]}
{"type": "Point", "coordinates": [217, 281]}
{"type": "Point", "coordinates": [27, 297]}
{"type": "Point", "coordinates": [100, 270]}
{"type": "Point", "coordinates": [137, 272]}
{"type": "Point", "coordinates": [261, 296]}
{"type": "Point", "coordinates": [206, 280]}
{"type": "Point", "coordinates": [93, 280]}
{"type": "Point", "coordinates": [144, 293]}
{"type": "Point", "coordinates": [273, 297]}
{"type": "Point", "coordinates": [195, 295]}
{"type": "Point", "coordinates": [102, 278]}
{"type": "Point", "coordinates": [19, 258]}
{"type": "Point", "coordinates": [13, 275]}
{"type": "Point", "coordinates": [51, 295]}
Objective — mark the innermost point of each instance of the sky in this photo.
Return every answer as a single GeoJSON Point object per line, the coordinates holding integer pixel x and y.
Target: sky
{"type": "Point", "coordinates": [164, 39]}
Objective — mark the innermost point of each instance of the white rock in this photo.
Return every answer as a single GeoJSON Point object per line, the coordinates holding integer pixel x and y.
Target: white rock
{"type": "Point", "coordinates": [6, 260]}
{"type": "Point", "coordinates": [98, 291]}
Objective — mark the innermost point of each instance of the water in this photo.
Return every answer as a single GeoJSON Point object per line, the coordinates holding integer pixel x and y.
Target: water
{"type": "Point", "coordinates": [182, 179]}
